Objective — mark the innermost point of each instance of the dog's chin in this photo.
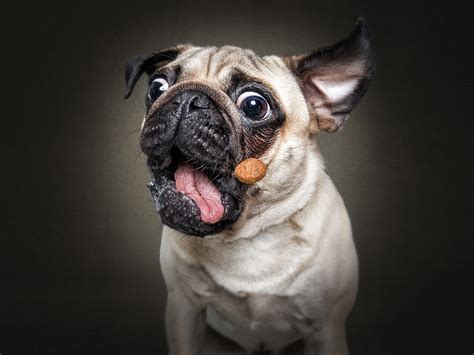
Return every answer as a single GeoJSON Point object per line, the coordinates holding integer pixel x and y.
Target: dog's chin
{"type": "Point", "coordinates": [194, 199]}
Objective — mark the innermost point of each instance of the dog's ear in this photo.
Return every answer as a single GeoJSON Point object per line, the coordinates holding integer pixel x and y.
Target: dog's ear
{"type": "Point", "coordinates": [335, 78]}
{"type": "Point", "coordinates": [136, 66]}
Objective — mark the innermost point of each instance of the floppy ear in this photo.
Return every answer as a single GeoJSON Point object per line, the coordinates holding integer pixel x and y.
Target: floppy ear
{"type": "Point", "coordinates": [335, 78]}
{"type": "Point", "coordinates": [136, 66]}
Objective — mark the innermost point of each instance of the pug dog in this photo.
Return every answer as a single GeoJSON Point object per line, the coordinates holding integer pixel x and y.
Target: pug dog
{"type": "Point", "coordinates": [265, 264]}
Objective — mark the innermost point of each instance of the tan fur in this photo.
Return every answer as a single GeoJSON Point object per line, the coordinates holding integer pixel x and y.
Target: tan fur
{"type": "Point", "coordinates": [287, 269]}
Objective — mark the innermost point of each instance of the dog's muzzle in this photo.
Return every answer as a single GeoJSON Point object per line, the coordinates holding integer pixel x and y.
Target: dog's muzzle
{"type": "Point", "coordinates": [188, 143]}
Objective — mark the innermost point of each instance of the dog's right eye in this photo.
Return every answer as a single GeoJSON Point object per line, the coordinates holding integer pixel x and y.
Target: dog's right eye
{"type": "Point", "coordinates": [157, 87]}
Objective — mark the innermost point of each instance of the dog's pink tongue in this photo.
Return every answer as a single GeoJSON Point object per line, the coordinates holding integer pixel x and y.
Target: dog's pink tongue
{"type": "Point", "coordinates": [198, 186]}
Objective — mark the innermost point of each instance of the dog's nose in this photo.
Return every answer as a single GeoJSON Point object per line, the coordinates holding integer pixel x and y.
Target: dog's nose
{"type": "Point", "coordinates": [192, 100]}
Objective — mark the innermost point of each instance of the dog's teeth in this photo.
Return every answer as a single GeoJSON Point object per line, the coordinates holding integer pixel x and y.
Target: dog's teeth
{"type": "Point", "coordinates": [166, 162]}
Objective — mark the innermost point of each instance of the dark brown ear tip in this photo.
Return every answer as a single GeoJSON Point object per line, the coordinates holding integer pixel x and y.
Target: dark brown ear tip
{"type": "Point", "coordinates": [362, 36]}
{"type": "Point", "coordinates": [361, 22]}
{"type": "Point", "coordinates": [361, 29]}
{"type": "Point", "coordinates": [362, 26]}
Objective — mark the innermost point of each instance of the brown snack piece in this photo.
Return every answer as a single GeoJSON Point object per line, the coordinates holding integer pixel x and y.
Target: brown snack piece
{"type": "Point", "coordinates": [250, 170]}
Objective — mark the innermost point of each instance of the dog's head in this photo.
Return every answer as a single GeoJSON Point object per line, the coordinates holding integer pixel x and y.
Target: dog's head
{"type": "Point", "coordinates": [210, 108]}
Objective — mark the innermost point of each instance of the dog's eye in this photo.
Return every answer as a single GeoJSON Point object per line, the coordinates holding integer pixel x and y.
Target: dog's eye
{"type": "Point", "coordinates": [157, 87]}
{"type": "Point", "coordinates": [254, 105]}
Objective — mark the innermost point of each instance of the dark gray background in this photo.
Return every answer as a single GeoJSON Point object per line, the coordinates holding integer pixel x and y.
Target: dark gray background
{"type": "Point", "coordinates": [79, 236]}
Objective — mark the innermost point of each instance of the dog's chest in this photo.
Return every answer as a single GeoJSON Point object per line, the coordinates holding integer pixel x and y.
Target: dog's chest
{"type": "Point", "coordinates": [252, 288]}
{"type": "Point", "coordinates": [267, 264]}
{"type": "Point", "coordinates": [256, 321]}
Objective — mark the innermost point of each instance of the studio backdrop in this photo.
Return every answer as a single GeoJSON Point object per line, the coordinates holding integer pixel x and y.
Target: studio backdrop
{"type": "Point", "coordinates": [79, 269]}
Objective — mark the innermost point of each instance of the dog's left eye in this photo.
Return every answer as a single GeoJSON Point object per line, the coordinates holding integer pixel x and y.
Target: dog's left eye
{"type": "Point", "coordinates": [157, 87]}
{"type": "Point", "coordinates": [254, 105]}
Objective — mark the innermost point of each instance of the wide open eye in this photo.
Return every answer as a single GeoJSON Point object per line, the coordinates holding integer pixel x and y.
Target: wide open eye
{"type": "Point", "coordinates": [157, 87]}
{"type": "Point", "coordinates": [254, 105]}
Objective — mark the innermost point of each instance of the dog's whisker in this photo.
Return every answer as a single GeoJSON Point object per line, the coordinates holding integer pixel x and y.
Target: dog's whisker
{"type": "Point", "coordinates": [139, 155]}
{"type": "Point", "coordinates": [128, 135]}
{"type": "Point", "coordinates": [202, 167]}
{"type": "Point", "coordinates": [305, 145]}
{"type": "Point", "coordinates": [216, 177]}
{"type": "Point", "coordinates": [128, 131]}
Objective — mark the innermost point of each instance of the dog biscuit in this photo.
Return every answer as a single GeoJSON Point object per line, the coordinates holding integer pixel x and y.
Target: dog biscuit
{"type": "Point", "coordinates": [250, 170]}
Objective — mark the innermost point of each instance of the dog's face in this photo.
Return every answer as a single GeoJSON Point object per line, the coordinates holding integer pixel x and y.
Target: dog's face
{"type": "Point", "coordinates": [210, 108]}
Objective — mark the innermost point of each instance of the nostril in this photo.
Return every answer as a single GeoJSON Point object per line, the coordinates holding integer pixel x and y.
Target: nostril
{"type": "Point", "coordinates": [200, 102]}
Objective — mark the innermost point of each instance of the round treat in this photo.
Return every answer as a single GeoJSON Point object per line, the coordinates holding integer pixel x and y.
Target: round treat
{"type": "Point", "coordinates": [250, 171]}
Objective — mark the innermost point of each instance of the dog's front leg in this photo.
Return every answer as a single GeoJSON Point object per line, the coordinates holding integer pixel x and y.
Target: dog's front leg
{"type": "Point", "coordinates": [185, 325]}
{"type": "Point", "coordinates": [328, 340]}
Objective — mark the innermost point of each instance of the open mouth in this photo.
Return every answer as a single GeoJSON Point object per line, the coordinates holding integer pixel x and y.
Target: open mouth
{"type": "Point", "coordinates": [194, 196]}
{"type": "Point", "coordinates": [195, 179]}
{"type": "Point", "coordinates": [203, 192]}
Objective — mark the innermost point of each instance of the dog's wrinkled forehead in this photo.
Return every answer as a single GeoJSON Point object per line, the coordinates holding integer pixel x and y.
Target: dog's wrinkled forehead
{"type": "Point", "coordinates": [218, 63]}
{"type": "Point", "coordinates": [221, 65]}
